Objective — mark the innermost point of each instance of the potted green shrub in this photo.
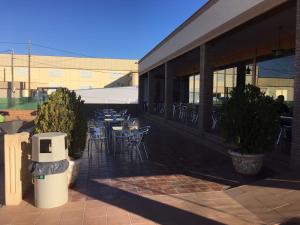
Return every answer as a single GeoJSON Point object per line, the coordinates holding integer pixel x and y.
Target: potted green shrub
{"type": "Point", "coordinates": [64, 112]}
{"type": "Point", "coordinates": [250, 124]}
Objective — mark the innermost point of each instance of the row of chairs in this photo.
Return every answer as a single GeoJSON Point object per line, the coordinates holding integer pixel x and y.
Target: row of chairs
{"type": "Point", "coordinates": [185, 114]}
{"type": "Point", "coordinates": [133, 140]}
{"type": "Point", "coordinates": [181, 112]}
{"type": "Point", "coordinates": [98, 133]}
{"type": "Point", "coordinates": [159, 108]}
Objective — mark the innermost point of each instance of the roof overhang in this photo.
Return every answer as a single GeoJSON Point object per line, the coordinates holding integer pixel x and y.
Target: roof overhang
{"type": "Point", "coordinates": [215, 18]}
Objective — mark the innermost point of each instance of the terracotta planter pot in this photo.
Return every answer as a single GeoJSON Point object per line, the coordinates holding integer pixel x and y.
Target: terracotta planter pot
{"type": "Point", "coordinates": [73, 170]}
{"type": "Point", "coordinates": [247, 164]}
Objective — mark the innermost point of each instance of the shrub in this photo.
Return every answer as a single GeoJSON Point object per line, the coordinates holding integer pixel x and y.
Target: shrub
{"type": "Point", "coordinates": [64, 112]}
{"type": "Point", "coordinates": [250, 120]}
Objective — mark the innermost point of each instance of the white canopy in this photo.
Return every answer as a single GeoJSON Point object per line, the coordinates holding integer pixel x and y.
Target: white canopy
{"type": "Point", "coordinates": [115, 95]}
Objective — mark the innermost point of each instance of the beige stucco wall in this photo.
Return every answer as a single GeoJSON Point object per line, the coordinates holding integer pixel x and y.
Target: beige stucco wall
{"type": "Point", "coordinates": [17, 150]}
{"type": "Point", "coordinates": [70, 72]}
{"type": "Point", "coordinates": [215, 18]}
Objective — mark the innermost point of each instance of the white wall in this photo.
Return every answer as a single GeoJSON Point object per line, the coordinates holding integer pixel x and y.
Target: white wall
{"type": "Point", "coordinates": [118, 95]}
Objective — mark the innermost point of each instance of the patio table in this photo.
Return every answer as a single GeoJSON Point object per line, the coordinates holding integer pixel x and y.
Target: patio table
{"type": "Point", "coordinates": [286, 117]}
{"type": "Point", "coordinates": [122, 131]}
{"type": "Point", "coordinates": [108, 124]}
{"type": "Point", "coordinates": [286, 121]}
{"type": "Point", "coordinates": [114, 120]}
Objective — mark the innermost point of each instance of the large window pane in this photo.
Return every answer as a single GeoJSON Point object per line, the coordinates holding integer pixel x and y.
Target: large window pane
{"type": "Point", "coordinates": [276, 77]}
{"type": "Point", "coordinates": [194, 84]}
{"type": "Point", "coordinates": [197, 88]}
{"type": "Point", "coordinates": [191, 89]}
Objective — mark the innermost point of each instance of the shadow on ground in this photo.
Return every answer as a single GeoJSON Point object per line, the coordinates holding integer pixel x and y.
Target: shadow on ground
{"type": "Point", "coordinates": [177, 165]}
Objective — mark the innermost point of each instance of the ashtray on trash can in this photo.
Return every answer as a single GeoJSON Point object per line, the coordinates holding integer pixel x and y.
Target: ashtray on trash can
{"type": "Point", "coordinates": [49, 169]}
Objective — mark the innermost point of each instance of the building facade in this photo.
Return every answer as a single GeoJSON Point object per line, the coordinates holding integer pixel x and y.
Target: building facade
{"type": "Point", "coordinates": [20, 73]}
{"type": "Point", "coordinates": [223, 45]}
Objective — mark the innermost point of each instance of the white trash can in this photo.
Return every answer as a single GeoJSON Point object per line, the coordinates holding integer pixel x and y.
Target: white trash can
{"type": "Point", "coordinates": [49, 168]}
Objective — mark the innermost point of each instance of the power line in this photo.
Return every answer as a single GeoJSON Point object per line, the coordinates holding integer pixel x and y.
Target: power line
{"type": "Point", "coordinates": [50, 48]}
{"type": "Point", "coordinates": [14, 43]}
{"type": "Point", "coordinates": [62, 50]}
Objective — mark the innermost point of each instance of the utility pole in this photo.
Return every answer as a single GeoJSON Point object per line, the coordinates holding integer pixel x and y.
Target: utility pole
{"type": "Point", "coordinates": [29, 68]}
{"type": "Point", "coordinates": [12, 71]}
{"type": "Point", "coordinates": [4, 73]}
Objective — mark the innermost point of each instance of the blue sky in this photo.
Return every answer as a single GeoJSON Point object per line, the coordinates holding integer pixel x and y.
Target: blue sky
{"type": "Point", "coordinates": [98, 28]}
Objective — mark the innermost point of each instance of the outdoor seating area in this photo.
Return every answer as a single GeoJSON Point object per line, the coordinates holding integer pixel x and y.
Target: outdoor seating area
{"type": "Point", "coordinates": [188, 115]}
{"type": "Point", "coordinates": [116, 132]}
{"type": "Point", "coordinates": [129, 161]}
{"type": "Point", "coordinates": [203, 128]}
{"type": "Point", "coordinates": [181, 112]}
{"type": "Point", "coordinates": [177, 185]}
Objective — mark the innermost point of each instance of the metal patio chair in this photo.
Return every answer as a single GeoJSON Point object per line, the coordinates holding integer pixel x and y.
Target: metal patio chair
{"type": "Point", "coordinates": [97, 137]}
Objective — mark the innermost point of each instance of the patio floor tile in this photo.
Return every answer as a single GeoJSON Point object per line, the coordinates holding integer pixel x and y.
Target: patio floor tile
{"type": "Point", "coordinates": [95, 221]}
{"type": "Point", "coordinates": [182, 183]}
{"type": "Point", "coordinates": [118, 219]}
{"type": "Point", "coordinates": [95, 212]}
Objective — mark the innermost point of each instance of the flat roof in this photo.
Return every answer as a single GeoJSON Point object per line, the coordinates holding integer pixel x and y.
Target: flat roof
{"type": "Point", "coordinates": [187, 21]}
{"type": "Point", "coordinates": [212, 20]}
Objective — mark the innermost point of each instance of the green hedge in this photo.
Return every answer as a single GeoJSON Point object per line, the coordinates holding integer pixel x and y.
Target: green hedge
{"type": "Point", "coordinates": [250, 120]}
{"type": "Point", "coordinates": [64, 112]}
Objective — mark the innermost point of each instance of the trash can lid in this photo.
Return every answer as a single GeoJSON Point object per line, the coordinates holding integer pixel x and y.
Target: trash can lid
{"type": "Point", "coordinates": [50, 134]}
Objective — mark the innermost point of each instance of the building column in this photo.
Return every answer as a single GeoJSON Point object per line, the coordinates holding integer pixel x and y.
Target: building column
{"type": "Point", "coordinates": [182, 89]}
{"type": "Point", "coordinates": [295, 151]}
{"type": "Point", "coordinates": [186, 89]}
{"type": "Point", "coordinates": [206, 89]}
{"type": "Point", "coordinates": [168, 91]}
{"type": "Point", "coordinates": [150, 92]}
{"type": "Point", "coordinates": [140, 93]}
{"type": "Point", "coordinates": [241, 75]}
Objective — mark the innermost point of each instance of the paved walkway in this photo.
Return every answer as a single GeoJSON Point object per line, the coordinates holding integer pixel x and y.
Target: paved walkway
{"type": "Point", "coordinates": [182, 183]}
{"type": "Point", "coordinates": [273, 200]}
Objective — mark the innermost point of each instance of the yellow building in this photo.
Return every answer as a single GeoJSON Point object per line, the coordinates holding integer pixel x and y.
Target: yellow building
{"type": "Point", "coordinates": [226, 79]}
{"type": "Point", "coordinates": [55, 71]}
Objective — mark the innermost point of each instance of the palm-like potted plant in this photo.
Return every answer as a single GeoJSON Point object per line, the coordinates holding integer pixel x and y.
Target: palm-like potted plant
{"type": "Point", "coordinates": [250, 125]}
